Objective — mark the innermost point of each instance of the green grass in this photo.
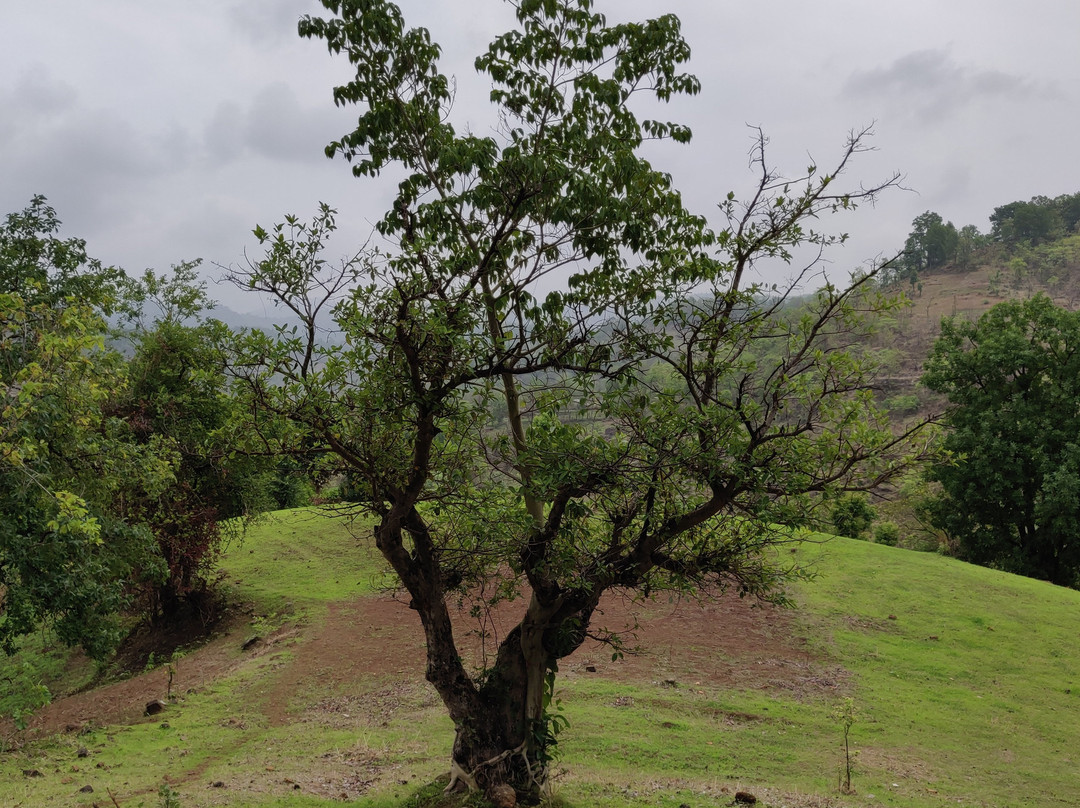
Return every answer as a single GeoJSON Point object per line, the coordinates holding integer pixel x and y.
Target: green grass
{"type": "Point", "coordinates": [966, 682]}
{"type": "Point", "coordinates": [972, 685]}
{"type": "Point", "coordinates": [304, 557]}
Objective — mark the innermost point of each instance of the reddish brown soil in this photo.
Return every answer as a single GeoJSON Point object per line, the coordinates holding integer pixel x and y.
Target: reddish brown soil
{"type": "Point", "coordinates": [728, 642]}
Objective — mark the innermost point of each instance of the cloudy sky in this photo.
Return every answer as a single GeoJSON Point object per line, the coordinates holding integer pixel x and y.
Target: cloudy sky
{"type": "Point", "coordinates": [164, 132]}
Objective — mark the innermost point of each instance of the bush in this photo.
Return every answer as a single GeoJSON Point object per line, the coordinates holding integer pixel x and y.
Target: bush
{"type": "Point", "coordinates": [852, 515]}
{"type": "Point", "coordinates": [887, 533]}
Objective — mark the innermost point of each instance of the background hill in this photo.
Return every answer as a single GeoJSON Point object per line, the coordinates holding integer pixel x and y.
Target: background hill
{"type": "Point", "coordinates": [962, 680]}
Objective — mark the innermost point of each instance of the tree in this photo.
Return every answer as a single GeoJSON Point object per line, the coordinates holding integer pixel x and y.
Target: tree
{"type": "Point", "coordinates": [177, 395]}
{"type": "Point", "coordinates": [1027, 223]}
{"type": "Point", "coordinates": [932, 243]}
{"type": "Point", "coordinates": [65, 555]}
{"type": "Point", "coordinates": [66, 552]}
{"type": "Point", "coordinates": [1011, 490]}
{"type": "Point", "coordinates": [654, 424]}
{"type": "Point", "coordinates": [852, 515]}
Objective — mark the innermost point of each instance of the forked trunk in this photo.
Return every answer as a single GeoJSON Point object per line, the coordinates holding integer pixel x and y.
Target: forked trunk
{"type": "Point", "coordinates": [503, 740]}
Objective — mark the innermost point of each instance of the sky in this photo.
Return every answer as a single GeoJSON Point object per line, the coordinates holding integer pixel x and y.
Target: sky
{"type": "Point", "coordinates": [164, 132]}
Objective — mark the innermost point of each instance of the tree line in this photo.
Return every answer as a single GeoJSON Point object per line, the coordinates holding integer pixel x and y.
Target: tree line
{"type": "Point", "coordinates": [1016, 229]}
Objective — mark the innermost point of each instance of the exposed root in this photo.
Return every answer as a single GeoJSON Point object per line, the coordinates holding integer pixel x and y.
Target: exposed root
{"type": "Point", "coordinates": [468, 779]}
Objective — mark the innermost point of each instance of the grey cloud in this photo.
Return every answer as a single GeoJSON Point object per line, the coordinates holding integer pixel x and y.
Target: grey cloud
{"type": "Point", "coordinates": [265, 22]}
{"type": "Point", "coordinates": [275, 126]}
{"type": "Point", "coordinates": [38, 92]}
{"type": "Point", "coordinates": [932, 85]}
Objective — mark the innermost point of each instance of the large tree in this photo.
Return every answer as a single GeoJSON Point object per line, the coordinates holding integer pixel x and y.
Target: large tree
{"type": "Point", "coordinates": [554, 381]}
{"type": "Point", "coordinates": [66, 550]}
{"type": "Point", "coordinates": [176, 395]}
{"type": "Point", "coordinates": [1011, 487]}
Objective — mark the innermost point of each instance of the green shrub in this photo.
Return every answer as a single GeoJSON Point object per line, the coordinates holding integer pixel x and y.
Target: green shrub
{"type": "Point", "coordinates": [852, 515]}
{"type": "Point", "coordinates": [887, 533]}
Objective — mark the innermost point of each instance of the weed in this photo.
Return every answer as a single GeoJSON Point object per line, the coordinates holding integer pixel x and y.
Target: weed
{"type": "Point", "coordinates": [168, 798]}
{"type": "Point", "coordinates": [844, 714]}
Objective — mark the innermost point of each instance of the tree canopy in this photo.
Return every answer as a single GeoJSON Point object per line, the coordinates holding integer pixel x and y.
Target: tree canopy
{"type": "Point", "coordinates": [65, 550]}
{"type": "Point", "coordinates": [1011, 488]}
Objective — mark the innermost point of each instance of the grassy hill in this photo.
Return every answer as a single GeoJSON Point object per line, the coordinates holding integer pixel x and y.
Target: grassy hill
{"type": "Point", "coordinates": [965, 684]}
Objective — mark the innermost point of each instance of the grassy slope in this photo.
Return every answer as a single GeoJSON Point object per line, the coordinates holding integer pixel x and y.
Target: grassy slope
{"type": "Point", "coordinates": [981, 715]}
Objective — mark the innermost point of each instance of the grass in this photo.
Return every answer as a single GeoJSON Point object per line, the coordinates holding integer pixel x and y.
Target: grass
{"type": "Point", "coordinates": [965, 683]}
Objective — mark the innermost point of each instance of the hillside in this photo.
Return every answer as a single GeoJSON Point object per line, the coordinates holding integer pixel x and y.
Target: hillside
{"type": "Point", "coordinates": [953, 291]}
{"type": "Point", "coordinates": [963, 682]}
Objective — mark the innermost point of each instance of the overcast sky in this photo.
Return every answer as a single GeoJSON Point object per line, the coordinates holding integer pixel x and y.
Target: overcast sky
{"type": "Point", "coordinates": [164, 132]}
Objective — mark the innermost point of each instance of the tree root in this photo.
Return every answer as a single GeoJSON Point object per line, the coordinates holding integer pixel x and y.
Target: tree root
{"type": "Point", "coordinates": [459, 775]}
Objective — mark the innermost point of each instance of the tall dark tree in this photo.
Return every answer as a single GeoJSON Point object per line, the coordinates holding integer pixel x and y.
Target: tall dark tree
{"type": "Point", "coordinates": [621, 432]}
{"type": "Point", "coordinates": [1011, 489]}
{"type": "Point", "coordinates": [177, 396]}
{"type": "Point", "coordinates": [932, 243]}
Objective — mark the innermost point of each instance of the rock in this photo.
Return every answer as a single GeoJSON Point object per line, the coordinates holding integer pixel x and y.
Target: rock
{"type": "Point", "coordinates": [502, 796]}
{"type": "Point", "coordinates": [154, 707]}
{"type": "Point", "coordinates": [83, 752]}
{"type": "Point", "coordinates": [745, 798]}
{"type": "Point", "coordinates": [217, 784]}
{"type": "Point", "coordinates": [251, 642]}
{"type": "Point", "coordinates": [87, 789]}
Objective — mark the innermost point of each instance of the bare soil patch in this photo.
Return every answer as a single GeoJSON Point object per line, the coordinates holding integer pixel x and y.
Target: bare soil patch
{"type": "Point", "coordinates": [369, 648]}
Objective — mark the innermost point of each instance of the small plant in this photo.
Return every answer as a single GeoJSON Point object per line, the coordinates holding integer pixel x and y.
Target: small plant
{"type": "Point", "coordinates": [844, 714]}
{"type": "Point", "coordinates": [23, 695]}
{"type": "Point", "coordinates": [552, 721]}
{"type": "Point", "coordinates": [168, 798]}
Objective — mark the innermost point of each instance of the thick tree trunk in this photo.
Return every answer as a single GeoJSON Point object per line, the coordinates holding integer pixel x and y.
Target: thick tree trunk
{"type": "Point", "coordinates": [506, 740]}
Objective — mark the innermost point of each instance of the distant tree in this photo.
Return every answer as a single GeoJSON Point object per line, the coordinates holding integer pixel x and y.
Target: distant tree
{"type": "Point", "coordinates": [1011, 490]}
{"type": "Point", "coordinates": [1068, 208]}
{"type": "Point", "coordinates": [968, 242]}
{"type": "Point", "coordinates": [598, 471]}
{"type": "Point", "coordinates": [1028, 223]}
{"type": "Point", "coordinates": [852, 515]}
{"type": "Point", "coordinates": [932, 243]}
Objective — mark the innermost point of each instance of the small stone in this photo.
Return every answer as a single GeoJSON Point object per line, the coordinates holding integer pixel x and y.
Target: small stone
{"type": "Point", "coordinates": [502, 796]}
{"type": "Point", "coordinates": [218, 784]}
{"type": "Point", "coordinates": [745, 798]}
{"type": "Point", "coordinates": [164, 724]}
{"type": "Point", "coordinates": [87, 789]}
{"type": "Point", "coordinates": [83, 752]}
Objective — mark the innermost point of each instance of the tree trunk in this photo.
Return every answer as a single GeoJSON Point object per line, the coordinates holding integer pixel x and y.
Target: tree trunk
{"type": "Point", "coordinates": [509, 737]}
